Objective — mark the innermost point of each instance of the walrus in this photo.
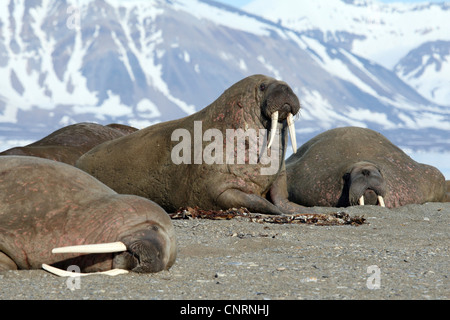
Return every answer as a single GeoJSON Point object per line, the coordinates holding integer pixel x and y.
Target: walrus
{"type": "Point", "coordinates": [447, 197]}
{"type": "Point", "coordinates": [69, 143]}
{"type": "Point", "coordinates": [351, 165]}
{"type": "Point", "coordinates": [194, 162]}
{"type": "Point", "coordinates": [46, 204]}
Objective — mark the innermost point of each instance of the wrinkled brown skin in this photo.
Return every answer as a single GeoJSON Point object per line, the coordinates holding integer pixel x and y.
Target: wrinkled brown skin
{"type": "Point", "coordinates": [46, 204]}
{"type": "Point", "coordinates": [141, 163]}
{"type": "Point", "coordinates": [447, 196]}
{"type": "Point", "coordinates": [69, 143]}
{"type": "Point", "coordinates": [320, 173]}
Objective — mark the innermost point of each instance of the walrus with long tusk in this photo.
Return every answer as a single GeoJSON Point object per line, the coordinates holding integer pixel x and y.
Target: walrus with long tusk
{"type": "Point", "coordinates": [71, 142]}
{"type": "Point", "coordinates": [194, 161]}
{"type": "Point", "coordinates": [358, 166]}
{"type": "Point", "coordinates": [46, 204]}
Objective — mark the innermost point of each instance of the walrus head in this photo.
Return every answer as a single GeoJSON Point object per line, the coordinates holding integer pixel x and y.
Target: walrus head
{"type": "Point", "coordinates": [366, 184]}
{"type": "Point", "coordinates": [145, 252]}
{"type": "Point", "coordinates": [278, 103]}
{"type": "Point", "coordinates": [141, 251]}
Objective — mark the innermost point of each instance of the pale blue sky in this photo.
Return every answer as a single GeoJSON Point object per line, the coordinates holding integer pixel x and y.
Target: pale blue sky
{"type": "Point", "coordinates": [240, 3]}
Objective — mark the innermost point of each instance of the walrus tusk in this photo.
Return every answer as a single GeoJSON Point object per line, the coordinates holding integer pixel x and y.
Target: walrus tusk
{"type": "Point", "coordinates": [273, 129]}
{"type": "Point", "coordinates": [93, 248]}
{"type": "Point", "coordinates": [361, 201]}
{"type": "Point", "coordinates": [64, 273]}
{"type": "Point", "coordinates": [291, 126]}
{"type": "Point", "coordinates": [381, 201]}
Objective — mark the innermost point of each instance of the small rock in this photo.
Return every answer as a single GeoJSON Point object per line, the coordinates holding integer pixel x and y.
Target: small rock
{"type": "Point", "coordinates": [309, 279]}
{"type": "Point", "coordinates": [219, 275]}
{"type": "Point", "coordinates": [203, 281]}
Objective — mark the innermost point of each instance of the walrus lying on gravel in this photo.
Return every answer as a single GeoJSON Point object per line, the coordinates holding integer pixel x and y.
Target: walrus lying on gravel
{"type": "Point", "coordinates": [447, 198]}
{"type": "Point", "coordinates": [351, 165]}
{"type": "Point", "coordinates": [69, 143]}
{"type": "Point", "coordinates": [46, 204]}
{"type": "Point", "coordinates": [194, 161]}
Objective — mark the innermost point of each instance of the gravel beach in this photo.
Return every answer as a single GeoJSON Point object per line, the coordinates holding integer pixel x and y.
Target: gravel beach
{"type": "Point", "coordinates": [397, 254]}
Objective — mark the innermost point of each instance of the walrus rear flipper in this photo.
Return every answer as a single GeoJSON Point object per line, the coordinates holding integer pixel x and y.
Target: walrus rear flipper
{"type": "Point", "coordinates": [234, 198]}
{"type": "Point", "coordinates": [6, 263]}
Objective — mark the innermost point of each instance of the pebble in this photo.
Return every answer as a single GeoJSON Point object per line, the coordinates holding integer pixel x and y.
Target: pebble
{"type": "Point", "coordinates": [219, 275]}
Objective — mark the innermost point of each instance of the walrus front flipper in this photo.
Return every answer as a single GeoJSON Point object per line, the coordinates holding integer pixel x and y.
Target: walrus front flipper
{"type": "Point", "coordinates": [279, 196]}
{"type": "Point", "coordinates": [234, 198]}
{"type": "Point", "coordinates": [6, 263]}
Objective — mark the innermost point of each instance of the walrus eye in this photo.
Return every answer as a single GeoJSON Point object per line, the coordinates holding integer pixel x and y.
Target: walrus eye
{"type": "Point", "coordinates": [262, 86]}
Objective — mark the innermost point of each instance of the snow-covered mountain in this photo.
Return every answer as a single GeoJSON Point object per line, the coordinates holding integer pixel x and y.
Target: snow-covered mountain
{"type": "Point", "coordinates": [399, 36]}
{"type": "Point", "coordinates": [139, 62]}
{"type": "Point", "coordinates": [427, 69]}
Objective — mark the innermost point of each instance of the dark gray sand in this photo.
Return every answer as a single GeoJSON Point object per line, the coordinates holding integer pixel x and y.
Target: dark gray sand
{"type": "Point", "coordinates": [399, 254]}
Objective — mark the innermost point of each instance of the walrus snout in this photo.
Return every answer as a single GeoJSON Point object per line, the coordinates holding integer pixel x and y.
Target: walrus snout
{"type": "Point", "coordinates": [280, 97]}
{"type": "Point", "coordinates": [147, 256]}
{"type": "Point", "coordinates": [367, 185]}
{"type": "Point", "coordinates": [281, 104]}
{"type": "Point", "coordinates": [368, 197]}
{"type": "Point", "coordinates": [145, 252]}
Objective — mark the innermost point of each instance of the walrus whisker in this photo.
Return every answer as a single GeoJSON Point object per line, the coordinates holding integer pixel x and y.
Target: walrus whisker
{"type": "Point", "coordinates": [93, 248]}
{"type": "Point", "coordinates": [64, 273]}
{"type": "Point", "coordinates": [291, 126]}
{"type": "Point", "coordinates": [381, 201]}
{"type": "Point", "coordinates": [273, 128]}
{"type": "Point", "coordinates": [361, 201]}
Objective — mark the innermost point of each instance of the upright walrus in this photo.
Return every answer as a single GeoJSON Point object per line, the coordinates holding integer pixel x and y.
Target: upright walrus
{"type": "Point", "coordinates": [69, 143]}
{"type": "Point", "coordinates": [46, 204]}
{"type": "Point", "coordinates": [351, 166]}
{"type": "Point", "coordinates": [194, 161]}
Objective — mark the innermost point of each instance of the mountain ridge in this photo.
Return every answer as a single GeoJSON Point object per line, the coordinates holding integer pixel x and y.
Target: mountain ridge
{"type": "Point", "coordinates": [142, 62]}
{"type": "Point", "coordinates": [381, 32]}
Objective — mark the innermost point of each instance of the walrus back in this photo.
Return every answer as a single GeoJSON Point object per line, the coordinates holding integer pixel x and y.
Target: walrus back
{"type": "Point", "coordinates": [115, 162]}
{"type": "Point", "coordinates": [45, 185]}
